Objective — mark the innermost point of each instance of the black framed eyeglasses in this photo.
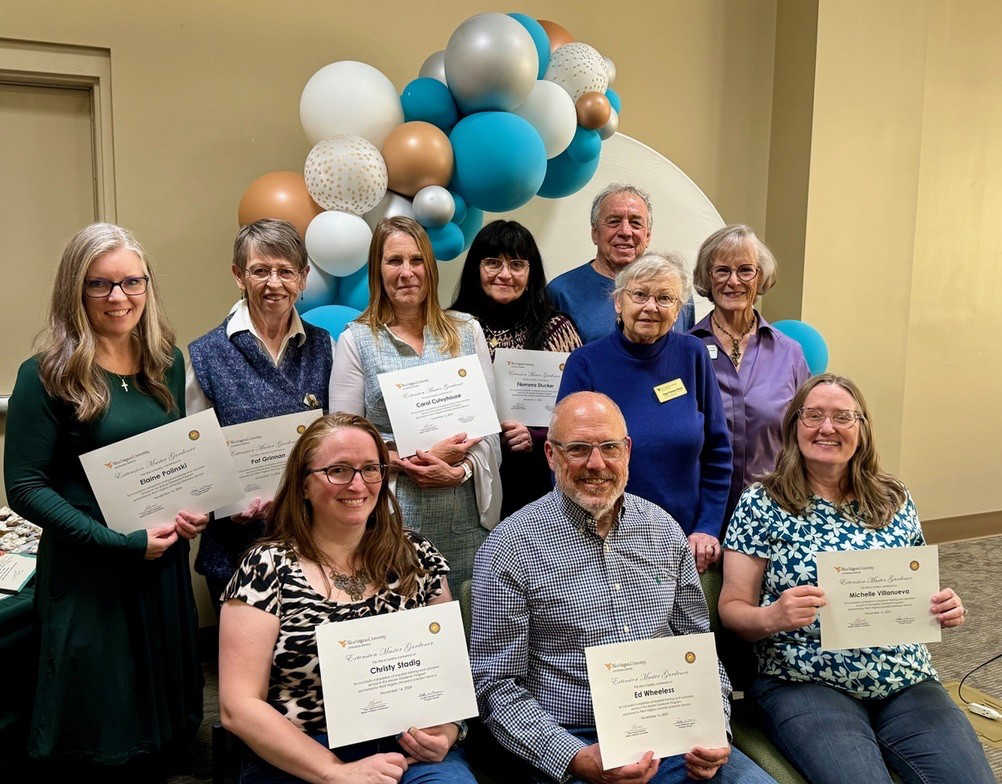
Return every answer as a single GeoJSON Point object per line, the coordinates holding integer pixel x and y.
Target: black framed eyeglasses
{"type": "Point", "coordinates": [579, 451]}
{"type": "Point", "coordinates": [341, 474]}
{"type": "Point", "coordinates": [515, 266]}
{"type": "Point", "coordinates": [99, 288]}
{"type": "Point", "coordinates": [815, 417]}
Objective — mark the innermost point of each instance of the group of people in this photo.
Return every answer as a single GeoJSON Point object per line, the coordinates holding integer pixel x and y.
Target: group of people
{"type": "Point", "coordinates": [673, 445]}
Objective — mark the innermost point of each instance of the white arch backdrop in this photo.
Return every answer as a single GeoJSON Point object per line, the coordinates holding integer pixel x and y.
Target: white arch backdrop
{"type": "Point", "coordinates": [683, 216]}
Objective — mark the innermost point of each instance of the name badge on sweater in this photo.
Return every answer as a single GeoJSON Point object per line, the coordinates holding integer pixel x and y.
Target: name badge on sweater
{"type": "Point", "coordinates": [669, 390]}
{"type": "Point", "coordinates": [711, 349]}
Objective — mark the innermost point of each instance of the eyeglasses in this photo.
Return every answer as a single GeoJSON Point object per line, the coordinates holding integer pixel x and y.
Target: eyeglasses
{"type": "Point", "coordinates": [263, 274]}
{"type": "Point", "coordinates": [515, 266]}
{"type": "Point", "coordinates": [98, 288]}
{"type": "Point", "coordinates": [341, 474]}
{"type": "Point", "coordinates": [745, 272]}
{"type": "Point", "coordinates": [843, 420]}
{"type": "Point", "coordinates": [662, 300]}
{"type": "Point", "coordinates": [579, 451]}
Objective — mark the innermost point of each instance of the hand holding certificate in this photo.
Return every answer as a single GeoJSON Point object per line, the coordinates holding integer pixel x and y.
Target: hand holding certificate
{"type": "Point", "coordinates": [878, 597]}
{"type": "Point", "coordinates": [429, 403]}
{"type": "Point", "coordinates": [661, 695]}
{"type": "Point", "coordinates": [527, 383]}
{"type": "Point", "coordinates": [143, 481]}
{"type": "Point", "coordinates": [393, 671]}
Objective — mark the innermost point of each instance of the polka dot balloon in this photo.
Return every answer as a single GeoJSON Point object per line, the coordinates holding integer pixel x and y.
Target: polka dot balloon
{"type": "Point", "coordinates": [579, 69]}
{"type": "Point", "coordinates": [346, 173]}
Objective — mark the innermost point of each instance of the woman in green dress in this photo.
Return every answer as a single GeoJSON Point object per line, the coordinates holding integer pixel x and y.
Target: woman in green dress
{"type": "Point", "coordinates": [119, 681]}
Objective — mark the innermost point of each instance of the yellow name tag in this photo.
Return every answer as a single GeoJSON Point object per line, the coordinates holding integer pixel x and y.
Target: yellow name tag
{"type": "Point", "coordinates": [669, 390]}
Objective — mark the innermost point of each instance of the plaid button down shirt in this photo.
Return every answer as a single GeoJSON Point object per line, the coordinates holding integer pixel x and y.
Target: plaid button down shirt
{"type": "Point", "coordinates": [545, 587]}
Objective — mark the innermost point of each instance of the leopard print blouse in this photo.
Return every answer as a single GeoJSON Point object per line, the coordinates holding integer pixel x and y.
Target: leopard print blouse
{"type": "Point", "coordinates": [270, 578]}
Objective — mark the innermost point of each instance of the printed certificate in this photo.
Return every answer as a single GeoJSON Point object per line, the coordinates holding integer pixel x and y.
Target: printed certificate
{"type": "Point", "coordinates": [384, 674]}
{"type": "Point", "coordinates": [259, 450]}
{"type": "Point", "coordinates": [15, 571]}
{"type": "Point", "coordinates": [431, 402]}
{"type": "Point", "coordinates": [527, 384]}
{"type": "Point", "coordinates": [144, 481]}
{"type": "Point", "coordinates": [878, 597]}
{"type": "Point", "coordinates": [661, 695]}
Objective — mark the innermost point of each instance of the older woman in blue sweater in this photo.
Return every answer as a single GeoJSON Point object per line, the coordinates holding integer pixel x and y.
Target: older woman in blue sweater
{"type": "Point", "coordinates": [665, 385]}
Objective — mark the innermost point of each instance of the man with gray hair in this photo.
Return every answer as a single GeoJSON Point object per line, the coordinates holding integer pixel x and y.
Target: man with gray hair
{"type": "Point", "coordinates": [588, 564]}
{"type": "Point", "coordinates": [621, 220]}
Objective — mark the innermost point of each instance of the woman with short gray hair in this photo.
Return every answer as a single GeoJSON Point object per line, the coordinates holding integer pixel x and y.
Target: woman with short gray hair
{"type": "Point", "coordinates": [757, 367]}
{"type": "Point", "coordinates": [665, 387]}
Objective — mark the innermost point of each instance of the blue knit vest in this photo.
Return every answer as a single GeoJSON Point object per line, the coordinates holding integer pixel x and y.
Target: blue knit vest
{"type": "Point", "coordinates": [244, 384]}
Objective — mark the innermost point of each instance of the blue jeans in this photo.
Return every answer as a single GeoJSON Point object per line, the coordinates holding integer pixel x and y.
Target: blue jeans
{"type": "Point", "coordinates": [738, 770]}
{"type": "Point", "coordinates": [452, 770]}
{"type": "Point", "coordinates": [831, 736]}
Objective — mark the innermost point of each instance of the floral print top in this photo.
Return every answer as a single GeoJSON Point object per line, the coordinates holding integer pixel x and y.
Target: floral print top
{"type": "Point", "coordinates": [761, 528]}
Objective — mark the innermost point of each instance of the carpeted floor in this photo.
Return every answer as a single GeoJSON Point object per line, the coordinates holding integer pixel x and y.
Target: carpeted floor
{"type": "Point", "coordinates": [970, 568]}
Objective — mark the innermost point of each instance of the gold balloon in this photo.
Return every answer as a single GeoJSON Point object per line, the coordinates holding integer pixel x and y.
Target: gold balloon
{"type": "Point", "coordinates": [280, 194]}
{"type": "Point", "coordinates": [557, 34]}
{"type": "Point", "coordinates": [417, 154]}
{"type": "Point", "coordinates": [594, 110]}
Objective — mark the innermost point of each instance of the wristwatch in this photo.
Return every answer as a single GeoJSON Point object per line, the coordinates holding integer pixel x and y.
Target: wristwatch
{"type": "Point", "coordinates": [464, 730]}
{"type": "Point", "coordinates": [467, 472]}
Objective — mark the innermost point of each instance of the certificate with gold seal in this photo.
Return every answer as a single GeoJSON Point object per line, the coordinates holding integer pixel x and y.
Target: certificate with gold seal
{"type": "Point", "coordinates": [527, 383]}
{"type": "Point", "coordinates": [878, 597]}
{"type": "Point", "coordinates": [661, 695]}
{"type": "Point", "coordinates": [384, 674]}
{"type": "Point", "coordinates": [260, 450]}
{"type": "Point", "coordinates": [144, 481]}
{"type": "Point", "coordinates": [431, 402]}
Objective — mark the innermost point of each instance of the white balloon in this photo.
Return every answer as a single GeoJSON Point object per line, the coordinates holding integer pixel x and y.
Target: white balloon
{"type": "Point", "coordinates": [392, 205]}
{"type": "Point", "coordinates": [350, 97]}
{"type": "Point", "coordinates": [579, 69]}
{"type": "Point", "coordinates": [550, 110]}
{"type": "Point", "coordinates": [345, 173]}
{"type": "Point", "coordinates": [609, 129]}
{"type": "Point", "coordinates": [338, 242]}
{"type": "Point", "coordinates": [321, 289]}
{"type": "Point", "coordinates": [491, 63]}
{"type": "Point", "coordinates": [433, 206]}
{"type": "Point", "coordinates": [434, 67]}
{"type": "Point", "coordinates": [610, 68]}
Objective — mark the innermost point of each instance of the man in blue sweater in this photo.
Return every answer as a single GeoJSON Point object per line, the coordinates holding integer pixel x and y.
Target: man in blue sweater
{"type": "Point", "coordinates": [621, 221]}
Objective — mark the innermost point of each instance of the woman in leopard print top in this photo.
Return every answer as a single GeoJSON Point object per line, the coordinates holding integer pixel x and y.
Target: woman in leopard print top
{"type": "Point", "coordinates": [334, 550]}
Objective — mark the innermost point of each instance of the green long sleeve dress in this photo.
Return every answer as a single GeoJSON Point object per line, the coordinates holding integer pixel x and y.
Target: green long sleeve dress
{"type": "Point", "coordinates": [119, 671]}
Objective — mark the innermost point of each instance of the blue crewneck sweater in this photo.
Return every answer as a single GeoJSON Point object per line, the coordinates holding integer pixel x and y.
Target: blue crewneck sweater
{"type": "Point", "coordinates": [681, 458]}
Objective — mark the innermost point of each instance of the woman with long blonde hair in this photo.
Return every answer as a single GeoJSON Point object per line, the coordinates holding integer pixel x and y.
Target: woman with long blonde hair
{"type": "Point", "coordinates": [119, 679]}
{"type": "Point", "coordinates": [452, 492]}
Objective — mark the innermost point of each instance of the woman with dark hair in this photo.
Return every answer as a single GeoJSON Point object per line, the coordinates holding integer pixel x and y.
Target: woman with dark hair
{"type": "Point", "coordinates": [119, 681]}
{"type": "Point", "coordinates": [837, 715]}
{"type": "Point", "coordinates": [334, 550]}
{"type": "Point", "coordinates": [503, 286]}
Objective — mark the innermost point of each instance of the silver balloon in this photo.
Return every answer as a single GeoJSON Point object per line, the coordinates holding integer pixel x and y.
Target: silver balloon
{"type": "Point", "coordinates": [608, 130]}
{"type": "Point", "coordinates": [491, 63]}
{"type": "Point", "coordinates": [392, 204]}
{"type": "Point", "coordinates": [434, 67]}
{"type": "Point", "coordinates": [610, 68]}
{"type": "Point", "coordinates": [433, 206]}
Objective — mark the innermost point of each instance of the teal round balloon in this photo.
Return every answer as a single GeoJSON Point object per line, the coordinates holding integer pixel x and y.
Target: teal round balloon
{"type": "Point", "coordinates": [539, 38]}
{"type": "Point", "coordinates": [447, 241]}
{"type": "Point", "coordinates": [428, 100]}
{"type": "Point", "coordinates": [321, 289]}
{"type": "Point", "coordinates": [565, 176]}
{"type": "Point", "coordinates": [810, 340]}
{"type": "Point", "coordinates": [353, 290]}
{"type": "Point", "coordinates": [460, 214]}
{"type": "Point", "coordinates": [614, 100]}
{"type": "Point", "coordinates": [471, 225]}
{"type": "Point", "coordinates": [585, 147]}
{"type": "Point", "coordinates": [333, 318]}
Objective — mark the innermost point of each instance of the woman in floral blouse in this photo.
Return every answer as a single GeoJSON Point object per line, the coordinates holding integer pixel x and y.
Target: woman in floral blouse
{"type": "Point", "coordinates": [841, 715]}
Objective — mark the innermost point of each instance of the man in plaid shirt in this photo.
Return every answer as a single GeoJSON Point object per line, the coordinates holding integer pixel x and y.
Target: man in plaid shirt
{"type": "Point", "coordinates": [586, 565]}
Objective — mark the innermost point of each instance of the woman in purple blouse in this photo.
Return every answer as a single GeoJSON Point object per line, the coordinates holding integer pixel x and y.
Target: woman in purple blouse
{"type": "Point", "coordinates": [758, 368]}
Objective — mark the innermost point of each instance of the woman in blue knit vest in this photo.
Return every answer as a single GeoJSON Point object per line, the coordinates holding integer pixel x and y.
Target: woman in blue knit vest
{"type": "Point", "coordinates": [452, 492]}
{"type": "Point", "coordinates": [262, 361]}
{"type": "Point", "coordinates": [665, 385]}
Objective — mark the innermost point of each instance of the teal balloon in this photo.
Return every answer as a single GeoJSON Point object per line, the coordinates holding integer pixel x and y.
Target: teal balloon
{"type": "Point", "coordinates": [810, 340]}
{"type": "Point", "coordinates": [539, 38]}
{"type": "Point", "coordinates": [353, 290]}
{"type": "Point", "coordinates": [614, 100]}
{"type": "Point", "coordinates": [585, 147]}
{"type": "Point", "coordinates": [500, 161]}
{"type": "Point", "coordinates": [447, 241]}
{"type": "Point", "coordinates": [470, 225]}
{"type": "Point", "coordinates": [333, 318]}
{"type": "Point", "coordinates": [460, 213]}
{"type": "Point", "coordinates": [428, 100]}
{"type": "Point", "coordinates": [565, 176]}
{"type": "Point", "coordinates": [321, 289]}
